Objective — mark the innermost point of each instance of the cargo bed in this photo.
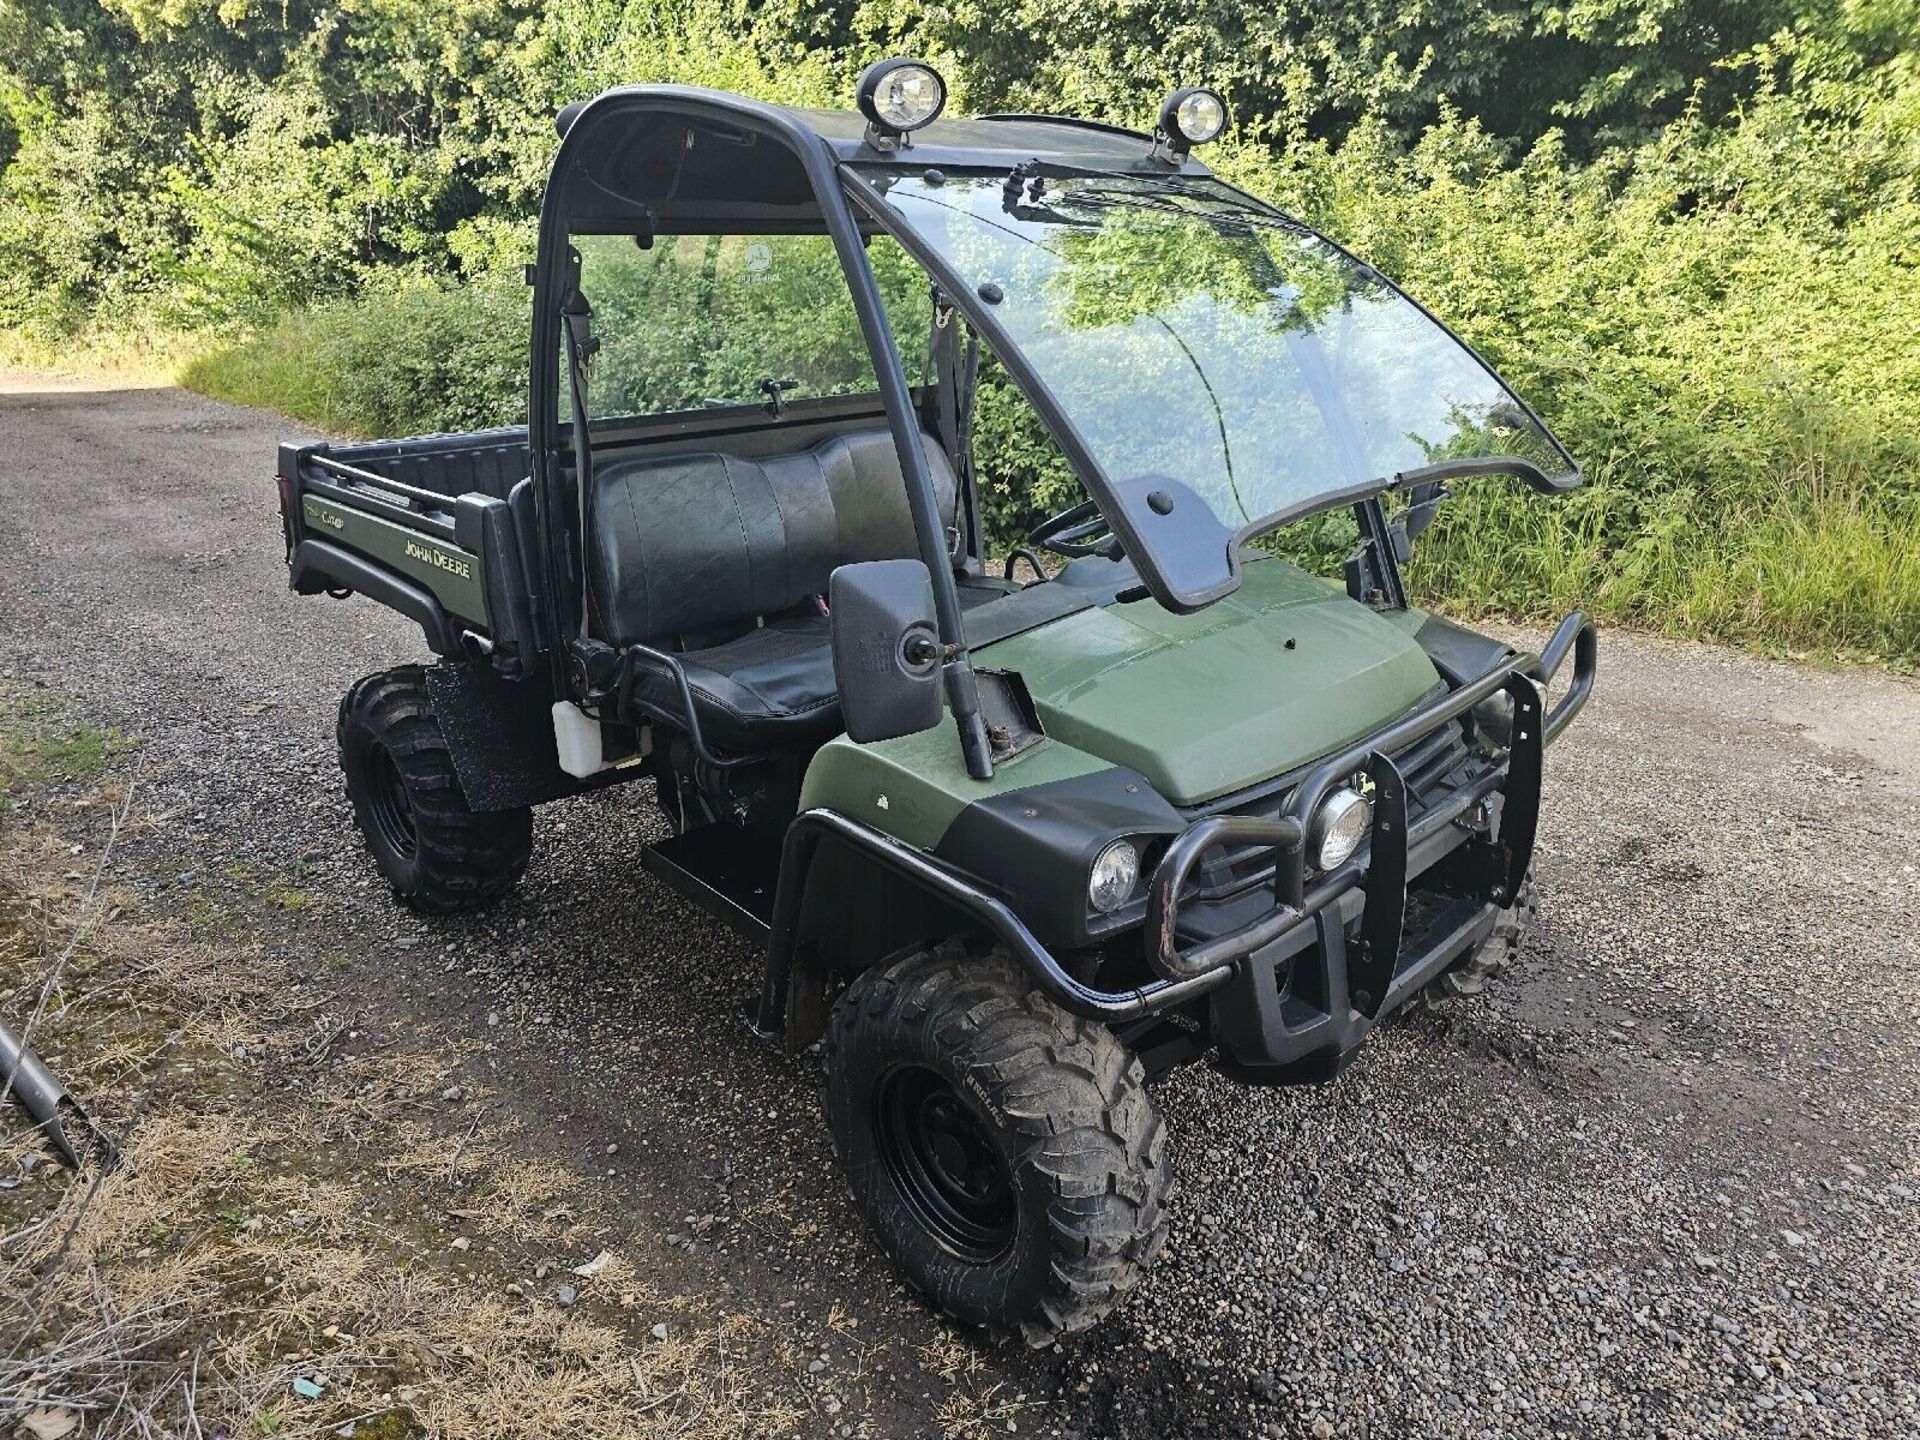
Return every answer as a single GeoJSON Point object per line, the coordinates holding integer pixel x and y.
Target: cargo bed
{"type": "Point", "coordinates": [440, 528]}
{"type": "Point", "coordinates": [443, 528]}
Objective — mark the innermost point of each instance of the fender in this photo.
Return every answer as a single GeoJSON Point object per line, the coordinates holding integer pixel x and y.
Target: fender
{"type": "Point", "coordinates": [792, 1001]}
{"type": "Point", "coordinates": [319, 565]}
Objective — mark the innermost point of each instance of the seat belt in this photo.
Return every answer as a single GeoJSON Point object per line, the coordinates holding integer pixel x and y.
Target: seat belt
{"type": "Point", "coordinates": [577, 317]}
{"type": "Point", "coordinates": [954, 375]}
{"type": "Point", "coordinates": [968, 391]}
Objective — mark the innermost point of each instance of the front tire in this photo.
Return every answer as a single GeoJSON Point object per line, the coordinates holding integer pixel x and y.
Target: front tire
{"type": "Point", "coordinates": [1492, 957]}
{"type": "Point", "coordinates": [1005, 1153]}
{"type": "Point", "coordinates": [441, 857]}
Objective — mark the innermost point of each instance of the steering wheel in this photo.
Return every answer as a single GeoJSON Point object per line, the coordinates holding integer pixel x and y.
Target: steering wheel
{"type": "Point", "coordinates": [1081, 530]}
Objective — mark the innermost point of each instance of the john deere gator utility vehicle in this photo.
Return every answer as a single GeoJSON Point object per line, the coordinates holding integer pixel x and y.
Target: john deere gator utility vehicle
{"type": "Point", "coordinates": [1016, 837]}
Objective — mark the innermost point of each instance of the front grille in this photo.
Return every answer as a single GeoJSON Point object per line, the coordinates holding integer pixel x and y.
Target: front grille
{"type": "Point", "coordinates": [1432, 766]}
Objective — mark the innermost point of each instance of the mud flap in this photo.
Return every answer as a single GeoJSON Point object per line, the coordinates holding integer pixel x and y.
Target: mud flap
{"type": "Point", "coordinates": [500, 733]}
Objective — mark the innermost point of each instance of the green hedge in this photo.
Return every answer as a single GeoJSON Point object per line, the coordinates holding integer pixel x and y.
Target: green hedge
{"type": "Point", "coordinates": [404, 358]}
{"type": "Point", "coordinates": [1721, 331]}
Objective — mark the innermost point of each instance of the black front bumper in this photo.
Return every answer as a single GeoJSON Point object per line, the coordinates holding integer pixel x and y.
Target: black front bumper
{"type": "Point", "coordinates": [1298, 1008]}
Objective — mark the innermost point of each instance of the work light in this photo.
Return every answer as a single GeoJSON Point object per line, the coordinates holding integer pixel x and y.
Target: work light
{"type": "Point", "coordinates": [900, 95]}
{"type": "Point", "coordinates": [1192, 116]}
{"type": "Point", "coordinates": [1116, 870]}
{"type": "Point", "coordinates": [1338, 828]}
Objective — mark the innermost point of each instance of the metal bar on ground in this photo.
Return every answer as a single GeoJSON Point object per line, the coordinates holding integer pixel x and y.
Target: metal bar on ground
{"type": "Point", "coordinates": [25, 1076]}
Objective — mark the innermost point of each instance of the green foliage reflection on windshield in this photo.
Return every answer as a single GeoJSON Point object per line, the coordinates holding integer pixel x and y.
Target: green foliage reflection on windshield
{"type": "Point", "coordinates": [1186, 334]}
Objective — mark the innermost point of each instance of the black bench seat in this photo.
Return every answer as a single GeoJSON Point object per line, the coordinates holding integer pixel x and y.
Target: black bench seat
{"type": "Point", "coordinates": [720, 559]}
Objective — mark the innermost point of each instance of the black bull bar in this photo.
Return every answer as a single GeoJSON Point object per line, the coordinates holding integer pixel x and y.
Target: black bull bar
{"type": "Point", "coordinates": [1380, 865]}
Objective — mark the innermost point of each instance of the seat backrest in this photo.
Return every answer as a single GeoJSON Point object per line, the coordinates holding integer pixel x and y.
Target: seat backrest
{"type": "Point", "coordinates": [695, 544]}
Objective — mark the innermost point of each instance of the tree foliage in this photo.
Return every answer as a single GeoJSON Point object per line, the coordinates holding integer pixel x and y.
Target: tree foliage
{"type": "Point", "coordinates": [1684, 228]}
{"type": "Point", "coordinates": [224, 158]}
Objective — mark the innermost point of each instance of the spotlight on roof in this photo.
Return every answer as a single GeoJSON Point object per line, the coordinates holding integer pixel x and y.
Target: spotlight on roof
{"type": "Point", "coordinates": [899, 96]}
{"type": "Point", "coordinates": [1192, 116]}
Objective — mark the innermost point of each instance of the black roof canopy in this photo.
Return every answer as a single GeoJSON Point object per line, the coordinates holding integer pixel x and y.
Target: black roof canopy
{"type": "Point", "coordinates": [681, 159]}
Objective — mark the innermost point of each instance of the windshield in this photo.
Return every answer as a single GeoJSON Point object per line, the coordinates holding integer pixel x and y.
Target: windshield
{"type": "Point", "coordinates": [1190, 337]}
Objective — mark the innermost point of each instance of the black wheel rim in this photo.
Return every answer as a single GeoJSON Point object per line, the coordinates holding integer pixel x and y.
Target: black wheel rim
{"type": "Point", "coordinates": [388, 805]}
{"type": "Point", "coordinates": [944, 1162]}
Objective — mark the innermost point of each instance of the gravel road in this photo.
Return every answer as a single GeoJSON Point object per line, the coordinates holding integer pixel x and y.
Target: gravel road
{"type": "Point", "coordinates": [1661, 1181]}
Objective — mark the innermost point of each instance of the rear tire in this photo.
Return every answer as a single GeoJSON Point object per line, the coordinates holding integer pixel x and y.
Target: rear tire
{"type": "Point", "coordinates": [440, 857]}
{"type": "Point", "coordinates": [1005, 1153]}
{"type": "Point", "coordinates": [1493, 956]}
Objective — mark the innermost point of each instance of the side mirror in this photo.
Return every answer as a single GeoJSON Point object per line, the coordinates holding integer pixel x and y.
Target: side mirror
{"type": "Point", "coordinates": [886, 648]}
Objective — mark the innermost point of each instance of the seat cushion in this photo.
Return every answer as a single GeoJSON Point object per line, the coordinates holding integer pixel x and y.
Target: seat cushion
{"type": "Point", "coordinates": [772, 688]}
{"type": "Point", "coordinates": [871, 519]}
{"type": "Point", "coordinates": [685, 543]}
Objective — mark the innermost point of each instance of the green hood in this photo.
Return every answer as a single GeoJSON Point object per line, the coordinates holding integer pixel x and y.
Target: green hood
{"type": "Point", "coordinates": [1284, 669]}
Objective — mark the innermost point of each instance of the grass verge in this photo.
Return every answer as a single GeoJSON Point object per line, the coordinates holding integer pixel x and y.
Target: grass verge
{"type": "Point", "coordinates": [126, 357]}
{"type": "Point", "coordinates": [311, 1233]}
{"type": "Point", "coordinates": [43, 742]}
{"type": "Point", "coordinates": [1833, 576]}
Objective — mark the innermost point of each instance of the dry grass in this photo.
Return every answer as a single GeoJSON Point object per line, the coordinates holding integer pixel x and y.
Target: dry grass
{"type": "Point", "coordinates": [285, 1213]}
{"type": "Point", "coordinates": [996, 1409]}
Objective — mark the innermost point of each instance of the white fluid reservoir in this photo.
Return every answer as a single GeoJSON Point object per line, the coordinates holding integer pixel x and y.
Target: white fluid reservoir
{"type": "Point", "coordinates": [576, 735]}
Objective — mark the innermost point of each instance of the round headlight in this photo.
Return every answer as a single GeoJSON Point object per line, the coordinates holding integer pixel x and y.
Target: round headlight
{"type": "Point", "coordinates": [899, 95]}
{"type": "Point", "coordinates": [1494, 716]}
{"type": "Point", "coordinates": [1193, 116]}
{"type": "Point", "coordinates": [1338, 829]}
{"type": "Point", "coordinates": [1116, 870]}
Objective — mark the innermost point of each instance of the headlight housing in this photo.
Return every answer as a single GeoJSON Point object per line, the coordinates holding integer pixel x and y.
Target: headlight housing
{"type": "Point", "coordinates": [1339, 826]}
{"type": "Point", "coordinates": [1494, 717]}
{"type": "Point", "coordinates": [1115, 873]}
{"type": "Point", "coordinates": [900, 95]}
{"type": "Point", "coordinates": [1192, 116]}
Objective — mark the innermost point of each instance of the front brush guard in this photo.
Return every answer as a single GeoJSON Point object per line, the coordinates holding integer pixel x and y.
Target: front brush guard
{"type": "Point", "coordinates": [1381, 864]}
{"type": "Point", "coordinates": [1186, 975]}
